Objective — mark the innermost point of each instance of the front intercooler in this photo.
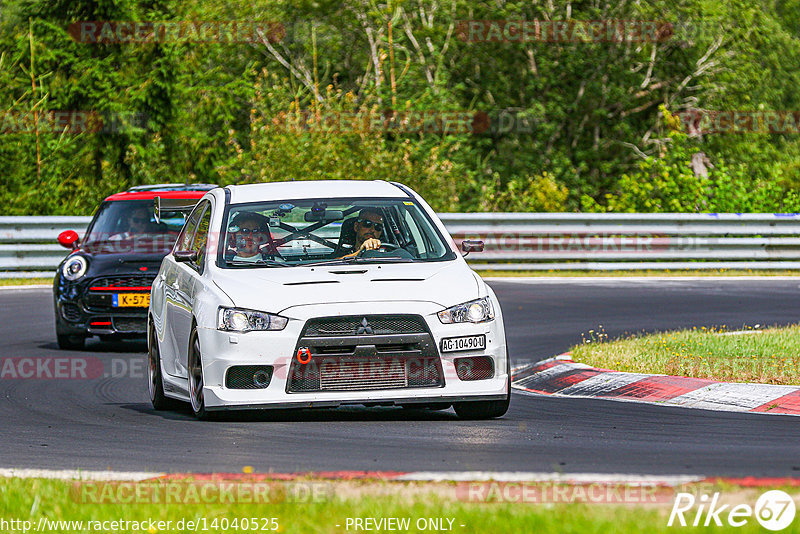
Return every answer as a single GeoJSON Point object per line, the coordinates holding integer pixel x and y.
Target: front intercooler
{"type": "Point", "coordinates": [360, 353]}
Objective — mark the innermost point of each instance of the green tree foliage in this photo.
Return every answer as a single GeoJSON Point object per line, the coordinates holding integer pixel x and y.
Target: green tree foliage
{"type": "Point", "coordinates": [560, 126]}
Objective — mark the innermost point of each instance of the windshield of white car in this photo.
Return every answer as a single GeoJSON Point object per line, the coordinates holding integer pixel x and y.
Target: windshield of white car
{"type": "Point", "coordinates": [329, 231]}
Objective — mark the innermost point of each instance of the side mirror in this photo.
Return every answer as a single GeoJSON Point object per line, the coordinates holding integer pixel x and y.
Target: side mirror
{"type": "Point", "coordinates": [468, 246]}
{"type": "Point", "coordinates": [185, 256]}
{"type": "Point", "coordinates": [68, 239]}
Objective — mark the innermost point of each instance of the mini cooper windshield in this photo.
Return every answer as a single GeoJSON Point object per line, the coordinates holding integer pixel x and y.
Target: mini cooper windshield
{"type": "Point", "coordinates": [130, 225]}
{"type": "Point", "coordinates": [330, 231]}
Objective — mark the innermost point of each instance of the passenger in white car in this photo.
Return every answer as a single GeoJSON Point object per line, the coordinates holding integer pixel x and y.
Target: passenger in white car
{"type": "Point", "coordinates": [252, 240]}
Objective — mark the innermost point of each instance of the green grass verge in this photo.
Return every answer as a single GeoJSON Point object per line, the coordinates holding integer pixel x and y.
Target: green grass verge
{"type": "Point", "coordinates": [25, 281]}
{"type": "Point", "coordinates": [627, 273]}
{"type": "Point", "coordinates": [32, 499]}
{"type": "Point", "coordinates": [769, 356]}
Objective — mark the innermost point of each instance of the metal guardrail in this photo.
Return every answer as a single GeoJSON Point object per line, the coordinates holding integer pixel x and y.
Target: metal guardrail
{"type": "Point", "coordinates": [526, 241]}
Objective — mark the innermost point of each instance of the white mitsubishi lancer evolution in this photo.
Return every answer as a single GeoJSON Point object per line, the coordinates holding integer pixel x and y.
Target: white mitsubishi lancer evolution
{"type": "Point", "coordinates": [321, 294]}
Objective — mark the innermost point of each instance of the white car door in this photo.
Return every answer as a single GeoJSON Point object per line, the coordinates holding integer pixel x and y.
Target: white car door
{"type": "Point", "coordinates": [189, 282]}
{"type": "Point", "coordinates": [174, 279]}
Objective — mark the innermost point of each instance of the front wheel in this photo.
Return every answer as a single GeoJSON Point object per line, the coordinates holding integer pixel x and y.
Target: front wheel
{"type": "Point", "coordinates": [481, 409]}
{"type": "Point", "coordinates": [196, 377]}
{"type": "Point", "coordinates": [485, 409]}
{"type": "Point", "coordinates": [70, 342]}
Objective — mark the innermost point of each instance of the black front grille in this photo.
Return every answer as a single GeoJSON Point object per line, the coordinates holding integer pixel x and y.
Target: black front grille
{"type": "Point", "coordinates": [98, 300]}
{"type": "Point", "coordinates": [124, 281]}
{"type": "Point", "coordinates": [369, 352]}
{"type": "Point", "coordinates": [71, 312]}
{"type": "Point", "coordinates": [130, 324]}
{"type": "Point", "coordinates": [248, 376]}
{"type": "Point", "coordinates": [364, 325]}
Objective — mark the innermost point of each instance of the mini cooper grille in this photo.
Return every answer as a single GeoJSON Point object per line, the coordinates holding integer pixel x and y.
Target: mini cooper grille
{"type": "Point", "coordinates": [364, 325]}
{"type": "Point", "coordinates": [124, 281]}
{"type": "Point", "coordinates": [474, 368]}
{"type": "Point", "coordinates": [70, 312]}
{"type": "Point", "coordinates": [248, 377]}
{"type": "Point", "coordinates": [130, 324]}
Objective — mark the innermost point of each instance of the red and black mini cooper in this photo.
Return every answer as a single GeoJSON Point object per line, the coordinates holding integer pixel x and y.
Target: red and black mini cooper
{"type": "Point", "coordinates": [103, 287]}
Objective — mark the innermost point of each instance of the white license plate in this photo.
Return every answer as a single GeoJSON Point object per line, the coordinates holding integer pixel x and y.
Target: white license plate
{"type": "Point", "coordinates": [453, 344]}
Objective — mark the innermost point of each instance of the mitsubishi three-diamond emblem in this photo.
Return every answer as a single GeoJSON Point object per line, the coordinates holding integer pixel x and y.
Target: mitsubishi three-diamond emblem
{"type": "Point", "coordinates": [364, 328]}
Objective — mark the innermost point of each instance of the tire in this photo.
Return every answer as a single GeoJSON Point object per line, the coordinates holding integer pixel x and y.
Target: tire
{"type": "Point", "coordinates": [481, 409]}
{"type": "Point", "coordinates": [486, 409]}
{"type": "Point", "coordinates": [71, 341]}
{"type": "Point", "coordinates": [196, 378]}
{"type": "Point", "coordinates": [155, 381]}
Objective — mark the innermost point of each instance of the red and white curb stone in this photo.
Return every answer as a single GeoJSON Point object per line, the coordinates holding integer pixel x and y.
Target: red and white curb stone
{"type": "Point", "coordinates": [562, 377]}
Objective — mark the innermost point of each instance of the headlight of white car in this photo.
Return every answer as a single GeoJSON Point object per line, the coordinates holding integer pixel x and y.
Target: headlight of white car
{"type": "Point", "coordinates": [474, 311]}
{"type": "Point", "coordinates": [74, 268]}
{"type": "Point", "coordinates": [239, 320]}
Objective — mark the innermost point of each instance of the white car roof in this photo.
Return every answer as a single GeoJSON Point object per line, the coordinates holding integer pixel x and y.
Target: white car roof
{"type": "Point", "coordinates": [314, 189]}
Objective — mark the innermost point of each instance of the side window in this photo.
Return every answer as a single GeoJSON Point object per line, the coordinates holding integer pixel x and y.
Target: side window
{"type": "Point", "coordinates": [185, 238]}
{"type": "Point", "coordinates": [201, 238]}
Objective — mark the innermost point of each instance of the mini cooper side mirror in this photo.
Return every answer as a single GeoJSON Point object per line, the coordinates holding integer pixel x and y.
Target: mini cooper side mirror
{"type": "Point", "coordinates": [185, 256]}
{"type": "Point", "coordinates": [68, 239]}
{"type": "Point", "coordinates": [468, 246]}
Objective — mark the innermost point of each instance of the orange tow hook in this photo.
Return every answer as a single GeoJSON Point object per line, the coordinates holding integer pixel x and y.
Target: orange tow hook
{"type": "Point", "coordinates": [303, 355]}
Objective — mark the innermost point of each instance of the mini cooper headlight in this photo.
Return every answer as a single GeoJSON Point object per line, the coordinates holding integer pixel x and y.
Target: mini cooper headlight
{"type": "Point", "coordinates": [239, 320]}
{"type": "Point", "coordinates": [474, 311]}
{"type": "Point", "coordinates": [74, 268]}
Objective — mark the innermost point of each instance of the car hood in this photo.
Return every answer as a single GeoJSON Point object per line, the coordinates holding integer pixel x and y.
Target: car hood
{"type": "Point", "coordinates": [276, 289]}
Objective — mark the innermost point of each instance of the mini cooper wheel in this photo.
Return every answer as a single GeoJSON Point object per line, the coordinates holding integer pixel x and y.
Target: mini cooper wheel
{"type": "Point", "coordinates": [71, 342]}
{"type": "Point", "coordinates": [196, 377]}
{"type": "Point", "coordinates": [155, 381]}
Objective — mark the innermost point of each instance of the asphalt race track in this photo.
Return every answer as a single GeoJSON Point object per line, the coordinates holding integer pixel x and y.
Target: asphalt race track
{"type": "Point", "coordinates": [107, 423]}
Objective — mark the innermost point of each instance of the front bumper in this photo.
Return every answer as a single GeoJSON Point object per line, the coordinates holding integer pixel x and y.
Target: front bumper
{"type": "Point", "coordinates": [223, 350]}
{"type": "Point", "coordinates": [82, 310]}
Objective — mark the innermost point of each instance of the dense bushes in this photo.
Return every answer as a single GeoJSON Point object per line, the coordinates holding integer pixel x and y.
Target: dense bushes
{"type": "Point", "coordinates": [565, 126]}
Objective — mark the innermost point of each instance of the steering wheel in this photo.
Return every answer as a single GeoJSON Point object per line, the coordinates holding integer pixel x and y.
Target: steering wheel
{"type": "Point", "coordinates": [385, 247]}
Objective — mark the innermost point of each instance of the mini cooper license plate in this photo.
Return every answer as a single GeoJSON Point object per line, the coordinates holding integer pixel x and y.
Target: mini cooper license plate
{"type": "Point", "coordinates": [131, 300]}
{"type": "Point", "coordinates": [453, 344]}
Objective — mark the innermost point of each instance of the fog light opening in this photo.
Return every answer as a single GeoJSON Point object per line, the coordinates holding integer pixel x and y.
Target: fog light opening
{"type": "Point", "coordinates": [261, 379]}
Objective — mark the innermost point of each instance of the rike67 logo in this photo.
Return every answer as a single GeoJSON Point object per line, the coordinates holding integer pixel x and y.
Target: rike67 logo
{"type": "Point", "coordinates": [774, 510]}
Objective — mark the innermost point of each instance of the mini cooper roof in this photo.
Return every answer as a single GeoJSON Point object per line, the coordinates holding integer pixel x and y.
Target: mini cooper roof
{"type": "Point", "coordinates": [149, 192]}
